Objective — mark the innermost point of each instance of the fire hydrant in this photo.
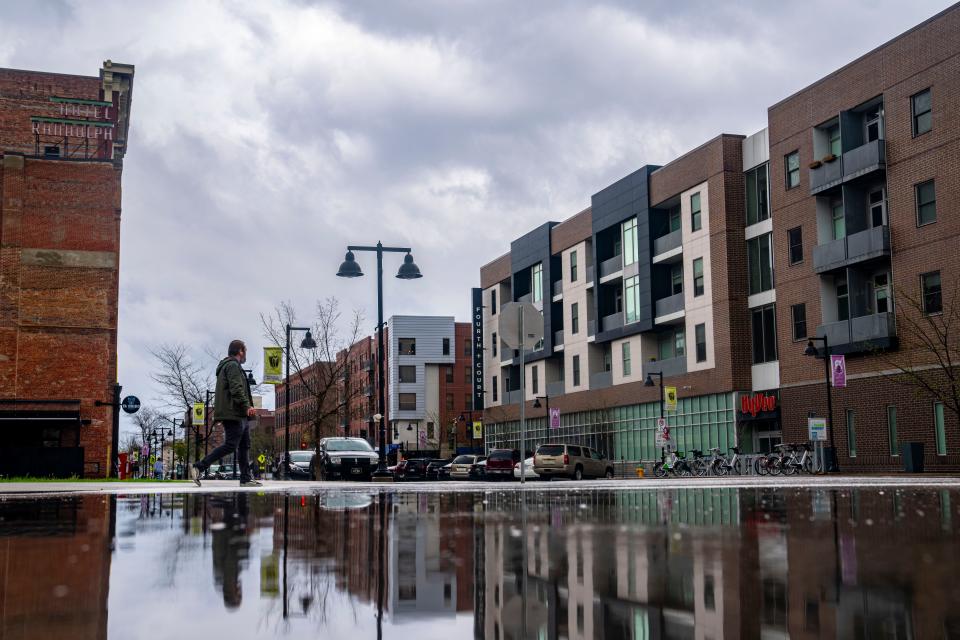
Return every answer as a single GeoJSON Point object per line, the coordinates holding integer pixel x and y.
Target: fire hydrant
{"type": "Point", "coordinates": [639, 472]}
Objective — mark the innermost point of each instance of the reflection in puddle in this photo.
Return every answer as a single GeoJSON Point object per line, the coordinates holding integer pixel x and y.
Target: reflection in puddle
{"type": "Point", "coordinates": [682, 563]}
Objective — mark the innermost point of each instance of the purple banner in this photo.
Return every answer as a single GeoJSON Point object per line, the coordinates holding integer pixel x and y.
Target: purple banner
{"type": "Point", "coordinates": [838, 370]}
{"type": "Point", "coordinates": [554, 418]}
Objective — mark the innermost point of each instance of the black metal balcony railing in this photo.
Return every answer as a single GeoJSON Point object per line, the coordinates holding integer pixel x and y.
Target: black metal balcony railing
{"type": "Point", "coordinates": [857, 247]}
{"type": "Point", "coordinates": [612, 265]}
{"type": "Point", "coordinates": [669, 305]}
{"type": "Point", "coordinates": [667, 242]}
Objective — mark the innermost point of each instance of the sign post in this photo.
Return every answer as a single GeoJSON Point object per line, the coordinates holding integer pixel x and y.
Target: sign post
{"type": "Point", "coordinates": [817, 432]}
{"type": "Point", "coordinates": [663, 434]}
{"type": "Point", "coordinates": [521, 327]}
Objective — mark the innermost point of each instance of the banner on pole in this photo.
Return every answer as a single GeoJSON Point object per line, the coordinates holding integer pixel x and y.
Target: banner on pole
{"type": "Point", "coordinates": [477, 429]}
{"type": "Point", "coordinates": [554, 418]}
{"type": "Point", "coordinates": [838, 370]}
{"type": "Point", "coordinates": [272, 365]}
{"type": "Point", "coordinates": [199, 413]}
{"type": "Point", "coordinates": [670, 398]}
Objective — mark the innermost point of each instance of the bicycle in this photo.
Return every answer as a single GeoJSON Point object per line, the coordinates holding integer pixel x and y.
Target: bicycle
{"type": "Point", "coordinates": [722, 466]}
{"type": "Point", "coordinates": [673, 463]}
{"type": "Point", "coordinates": [804, 462]}
{"type": "Point", "coordinates": [763, 464]}
{"type": "Point", "coordinates": [699, 464]}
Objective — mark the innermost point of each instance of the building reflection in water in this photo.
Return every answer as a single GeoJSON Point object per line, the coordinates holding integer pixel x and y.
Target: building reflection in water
{"type": "Point", "coordinates": [687, 563]}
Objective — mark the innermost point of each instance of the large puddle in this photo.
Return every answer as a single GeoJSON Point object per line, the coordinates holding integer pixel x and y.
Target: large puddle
{"type": "Point", "coordinates": [639, 564]}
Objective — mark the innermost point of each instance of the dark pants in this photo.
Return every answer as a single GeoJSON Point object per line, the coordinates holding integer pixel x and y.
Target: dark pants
{"type": "Point", "coordinates": [236, 433]}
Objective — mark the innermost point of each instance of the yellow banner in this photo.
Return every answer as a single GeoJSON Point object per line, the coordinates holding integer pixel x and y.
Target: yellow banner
{"type": "Point", "coordinates": [272, 365]}
{"type": "Point", "coordinates": [199, 413]}
{"type": "Point", "coordinates": [670, 398]}
{"type": "Point", "coordinates": [477, 430]}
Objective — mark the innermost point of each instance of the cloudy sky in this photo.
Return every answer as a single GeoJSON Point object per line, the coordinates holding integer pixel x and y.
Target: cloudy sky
{"type": "Point", "coordinates": [266, 136]}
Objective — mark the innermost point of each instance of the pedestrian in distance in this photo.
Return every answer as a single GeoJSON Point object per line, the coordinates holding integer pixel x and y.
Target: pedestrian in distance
{"type": "Point", "coordinates": [158, 469]}
{"type": "Point", "coordinates": [234, 408]}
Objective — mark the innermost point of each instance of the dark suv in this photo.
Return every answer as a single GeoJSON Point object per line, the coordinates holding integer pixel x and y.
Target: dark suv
{"type": "Point", "coordinates": [346, 458]}
{"type": "Point", "coordinates": [412, 469]}
{"type": "Point", "coordinates": [500, 463]}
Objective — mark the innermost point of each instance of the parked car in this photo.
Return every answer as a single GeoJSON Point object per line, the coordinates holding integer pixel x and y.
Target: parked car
{"type": "Point", "coordinates": [300, 465]}
{"type": "Point", "coordinates": [435, 469]}
{"type": "Point", "coordinates": [479, 470]}
{"type": "Point", "coordinates": [528, 470]}
{"type": "Point", "coordinates": [463, 467]}
{"type": "Point", "coordinates": [412, 469]}
{"type": "Point", "coordinates": [225, 472]}
{"type": "Point", "coordinates": [211, 472]}
{"type": "Point", "coordinates": [500, 463]}
{"type": "Point", "coordinates": [570, 461]}
{"type": "Point", "coordinates": [344, 458]}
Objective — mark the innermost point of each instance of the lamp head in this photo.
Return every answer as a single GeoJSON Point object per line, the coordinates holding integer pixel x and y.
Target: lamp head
{"type": "Point", "coordinates": [536, 403]}
{"type": "Point", "coordinates": [409, 270]}
{"type": "Point", "coordinates": [377, 417]}
{"type": "Point", "coordinates": [810, 350]}
{"type": "Point", "coordinates": [250, 380]}
{"type": "Point", "coordinates": [308, 342]}
{"type": "Point", "coordinates": [649, 381]}
{"type": "Point", "coordinates": [349, 267]}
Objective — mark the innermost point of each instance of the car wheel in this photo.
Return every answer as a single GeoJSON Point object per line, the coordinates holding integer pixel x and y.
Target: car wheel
{"type": "Point", "coordinates": [578, 473]}
{"type": "Point", "coordinates": [609, 474]}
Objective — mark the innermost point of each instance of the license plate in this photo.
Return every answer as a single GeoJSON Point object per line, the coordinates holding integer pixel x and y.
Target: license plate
{"type": "Point", "coordinates": [355, 470]}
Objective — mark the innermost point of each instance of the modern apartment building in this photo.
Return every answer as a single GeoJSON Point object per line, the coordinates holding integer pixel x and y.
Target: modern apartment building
{"type": "Point", "coordinates": [717, 268]}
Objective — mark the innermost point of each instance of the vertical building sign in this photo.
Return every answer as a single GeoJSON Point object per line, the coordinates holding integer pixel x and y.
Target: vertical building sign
{"type": "Point", "coordinates": [478, 349]}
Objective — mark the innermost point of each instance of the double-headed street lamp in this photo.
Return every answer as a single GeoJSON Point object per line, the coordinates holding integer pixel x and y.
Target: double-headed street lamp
{"type": "Point", "coordinates": [408, 271]}
{"type": "Point", "coordinates": [830, 462]}
{"type": "Point", "coordinates": [307, 343]}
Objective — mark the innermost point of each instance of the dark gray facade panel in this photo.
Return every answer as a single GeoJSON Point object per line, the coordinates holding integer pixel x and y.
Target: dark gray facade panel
{"type": "Point", "coordinates": [526, 251]}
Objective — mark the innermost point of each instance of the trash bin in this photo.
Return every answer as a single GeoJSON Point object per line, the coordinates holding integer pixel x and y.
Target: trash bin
{"type": "Point", "coordinates": [912, 453]}
{"type": "Point", "coordinates": [830, 460]}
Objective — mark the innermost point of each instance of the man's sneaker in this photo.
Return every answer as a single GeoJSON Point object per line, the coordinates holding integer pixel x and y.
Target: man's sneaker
{"type": "Point", "coordinates": [195, 474]}
{"type": "Point", "coordinates": [251, 483]}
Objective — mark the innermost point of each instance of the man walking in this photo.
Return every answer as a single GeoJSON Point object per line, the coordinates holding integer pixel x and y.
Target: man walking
{"type": "Point", "coordinates": [233, 407]}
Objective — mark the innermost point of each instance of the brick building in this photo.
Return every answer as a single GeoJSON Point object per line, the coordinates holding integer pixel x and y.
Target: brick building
{"type": "Point", "coordinates": [62, 140]}
{"type": "Point", "coordinates": [717, 268]}
{"type": "Point", "coordinates": [358, 388]}
{"type": "Point", "coordinates": [315, 383]}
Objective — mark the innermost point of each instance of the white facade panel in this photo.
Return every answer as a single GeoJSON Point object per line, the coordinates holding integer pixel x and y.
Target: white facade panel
{"type": "Point", "coordinates": [756, 149]}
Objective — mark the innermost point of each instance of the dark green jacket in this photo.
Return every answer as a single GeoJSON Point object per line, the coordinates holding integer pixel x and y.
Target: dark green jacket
{"type": "Point", "coordinates": [233, 396]}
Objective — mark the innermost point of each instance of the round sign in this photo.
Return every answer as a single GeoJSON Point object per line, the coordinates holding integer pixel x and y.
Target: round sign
{"type": "Point", "coordinates": [130, 404]}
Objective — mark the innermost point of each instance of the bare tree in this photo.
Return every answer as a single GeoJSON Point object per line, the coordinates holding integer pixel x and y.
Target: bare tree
{"type": "Point", "coordinates": [183, 381]}
{"type": "Point", "coordinates": [146, 420]}
{"type": "Point", "coordinates": [319, 371]}
{"type": "Point", "coordinates": [928, 357]}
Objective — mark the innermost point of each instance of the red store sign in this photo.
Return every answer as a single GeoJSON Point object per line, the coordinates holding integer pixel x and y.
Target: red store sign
{"type": "Point", "coordinates": [757, 403]}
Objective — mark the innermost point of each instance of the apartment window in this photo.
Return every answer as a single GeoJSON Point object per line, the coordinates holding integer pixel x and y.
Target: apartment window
{"type": "Point", "coordinates": [843, 301]}
{"type": "Point", "coordinates": [892, 430]}
{"type": "Point", "coordinates": [537, 282]}
{"type": "Point", "coordinates": [921, 108]}
{"type": "Point", "coordinates": [760, 263]}
{"type": "Point", "coordinates": [700, 334]}
{"type": "Point", "coordinates": [792, 165]}
{"type": "Point", "coordinates": [698, 277]}
{"type": "Point", "coordinates": [851, 433]}
{"type": "Point", "coordinates": [467, 347]}
{"type": "Point", "coordinates": [932, 293]}
{"type": "Point", "coordinates": [631, 293]}
{"type": "Point", "coordinates": [764, 334]}
{"type": "Point", "coordinates": [926, 203]}
{"type": "Point", "coordinates": [449, 402]}
{"type": "Point", "coordinates": [798, 313]}
{"type": "Point", "coordinates": [576, 371]}
{"type": "Point", "coordinates": [833, 140]}
{"type": "Point", "coordinates": [674, 219]}
{"type": "Point", "coordinates": [408, 402]}
{"type": "Point", "coordinates": [446, 347]}
{"type": "Point", "coordinates": [408, 373]}
{"type": "Point", "coordinates": [575, 318]}
{"type": "Point", "coordinates": [838, 224]}
{"type": "Point", "coordinates": [493, 302]}
{"type": "Point", "coordinates": [881, 293]}
{"type": "Point", "coordinates": [625, 357]}
{"type": "Point", "coordinates": [449, 377]}
{"type": "Point", "coordinates": [573, 266]}
{"type": "Point", "coordinates": [876, 203]}
{"type": "Point", "coordinates": [407, 346]}
{"type": "Point", "coordinates": [676, 278]}
{"type": "Point", "coordinates": [493, 343]}
{"type": "Point", "coordinates": [795, 242]}
{"type": "Point", "coordinates": [468, 402]}
{"type": "Point", "coordinates": [873, 122]}
{"type": "Point", "coordinates": [938, 426]}
{"type": "Point", "coordinates": [629, 234]}
{"type": "Point", "coordinates": [495, 389]}
{"type": "Point", "coordinates": [758, 201]}
{"type": "Point", "coordinates": [695, 221]}
{"type": "Point", "coordinates": [535, 379]}
{"type": "Point", "coordinates": [466, 374]}
{"type": "Point", "coordinates": [671, 344]}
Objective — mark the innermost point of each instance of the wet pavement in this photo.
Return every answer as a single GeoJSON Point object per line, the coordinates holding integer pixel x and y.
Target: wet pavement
{"type": "Point", "coordinates": [583, 561]}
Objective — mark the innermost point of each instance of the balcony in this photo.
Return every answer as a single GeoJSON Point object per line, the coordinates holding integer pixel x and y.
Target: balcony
{"type": "Point", "coordinates": [555, 389]}
{"type": "Point", "coordinates": [611, 322]}
{"type": "Point", "coordinates": [669, 367]}
{"type": "Point", "coordinates": [526, 298]}
{"type": "Point", "coordinates": [557, 288]}
{"type": "Point", "coordinates": [558, 338]}
{"type": "Point", "coordinates": [858, 247]}
{"type": "Point", "coordinates": [601, 380]}
{"type": "Point", "coordinates": [826, 176]}
{"type": "Point", "coordinates": [611, 266]}
{"type": "Point", "coordinates": [669, 305]}
{"type": "Point", "coordinates": [511, 397]}
{"type": "Point", "coordinates": [865, 333]}
{"type": "Point", "coordinates": [591, 327]}
{"type": "Point", "coordinates": [864, 159]}
{"type": "Point", "coordinates": [669, 242]}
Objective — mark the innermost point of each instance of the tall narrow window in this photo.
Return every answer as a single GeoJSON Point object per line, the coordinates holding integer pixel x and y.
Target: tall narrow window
{"type": "Point", "coordinates": [695, 221]}
{"type": "Point", "coordinates": [760, 263]}
{"type": "Point", "coordinates": [494, 343]}
{"type": "Point", "coordinates": [449, 400]}
{"type": "Point", "coordinates": [877, 206]}
{"type": "Point", "coordinates": [932, 293]}
{"type": "Point", "coordinates": [631, 294]}
{"type": "Point", "coordinates": [676, 278]}
{"type": "Point", "coordinates": [575, 318]}
{"type": "Point", "coordinates": [700, 332]}
{"type": "Point", "coordinates": [537, 282]}
{"type": "Point", "coordinates": [408, 373]}
{"type": "Point", "coordinates": [851, 433]}
{"type": "Point", "coordinates": [625, 356]}
{"type": "Point", "coordinates": [795, 242]}
{"type": "Point", "coordinates": [629, 231]}
{"type": "Point", "coordinates": [576, 371]}
{"type": "Point", "coordinates": [758, 207]}
{"type": "Point", "coordinates": [680, 343]}
{"type": "Point", "coordinates": [674, 219]}
{"type": "Point", "coordinates": [921, 108]}
{"type": "Point", "coordinates": [764, 327]}
{"type": "Point", "coordinates": [446, 347]}
{"type": "Point", "coordinates": [792, 165]}
{"type": "Point", "coordinates": [493, 302]}
{"type": "Point", "coordinates": [833, 140]}
{"type": "Point", "coordinates": [449, 375]}
{"type": "Point", "coordinates": [939, 427]}
{"type": "Point", "coordinates": [838, 222]}
{"type": "Point", "coordinates": [467, 347]}
{"type": "Point", "coordinates": [881, 293]}
{"type": "Point", "coordinates": [926, 203]}
{"type": "Point", "coordinates": [535, 379]}
{"type": "Point", "coordinates": [873, 123]}
{"type": "Point", "coordinates": [698, 286]}
{"type": "Point", "coordinates": [799, 315]}
{"type": "Point", "coordinates": [495, 389]}
{"type": "Point", "coordinates": [892, 430]}
{"type": "Point", "coordinates": [573, 266]}
{"type": "Point", "coordinates": [843, 301]}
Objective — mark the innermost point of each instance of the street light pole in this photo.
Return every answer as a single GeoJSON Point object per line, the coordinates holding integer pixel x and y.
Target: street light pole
{"type": "Point", "coordinates": [812, 351]}
{"type": "Point", "coordinates": [206, 425]}
{"type": "Point", "coordinates": [408, 271]}
{"type": "Point", "coordinates": [308, 343]}
{"type": "Point", "coordinates": [649, 383]}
